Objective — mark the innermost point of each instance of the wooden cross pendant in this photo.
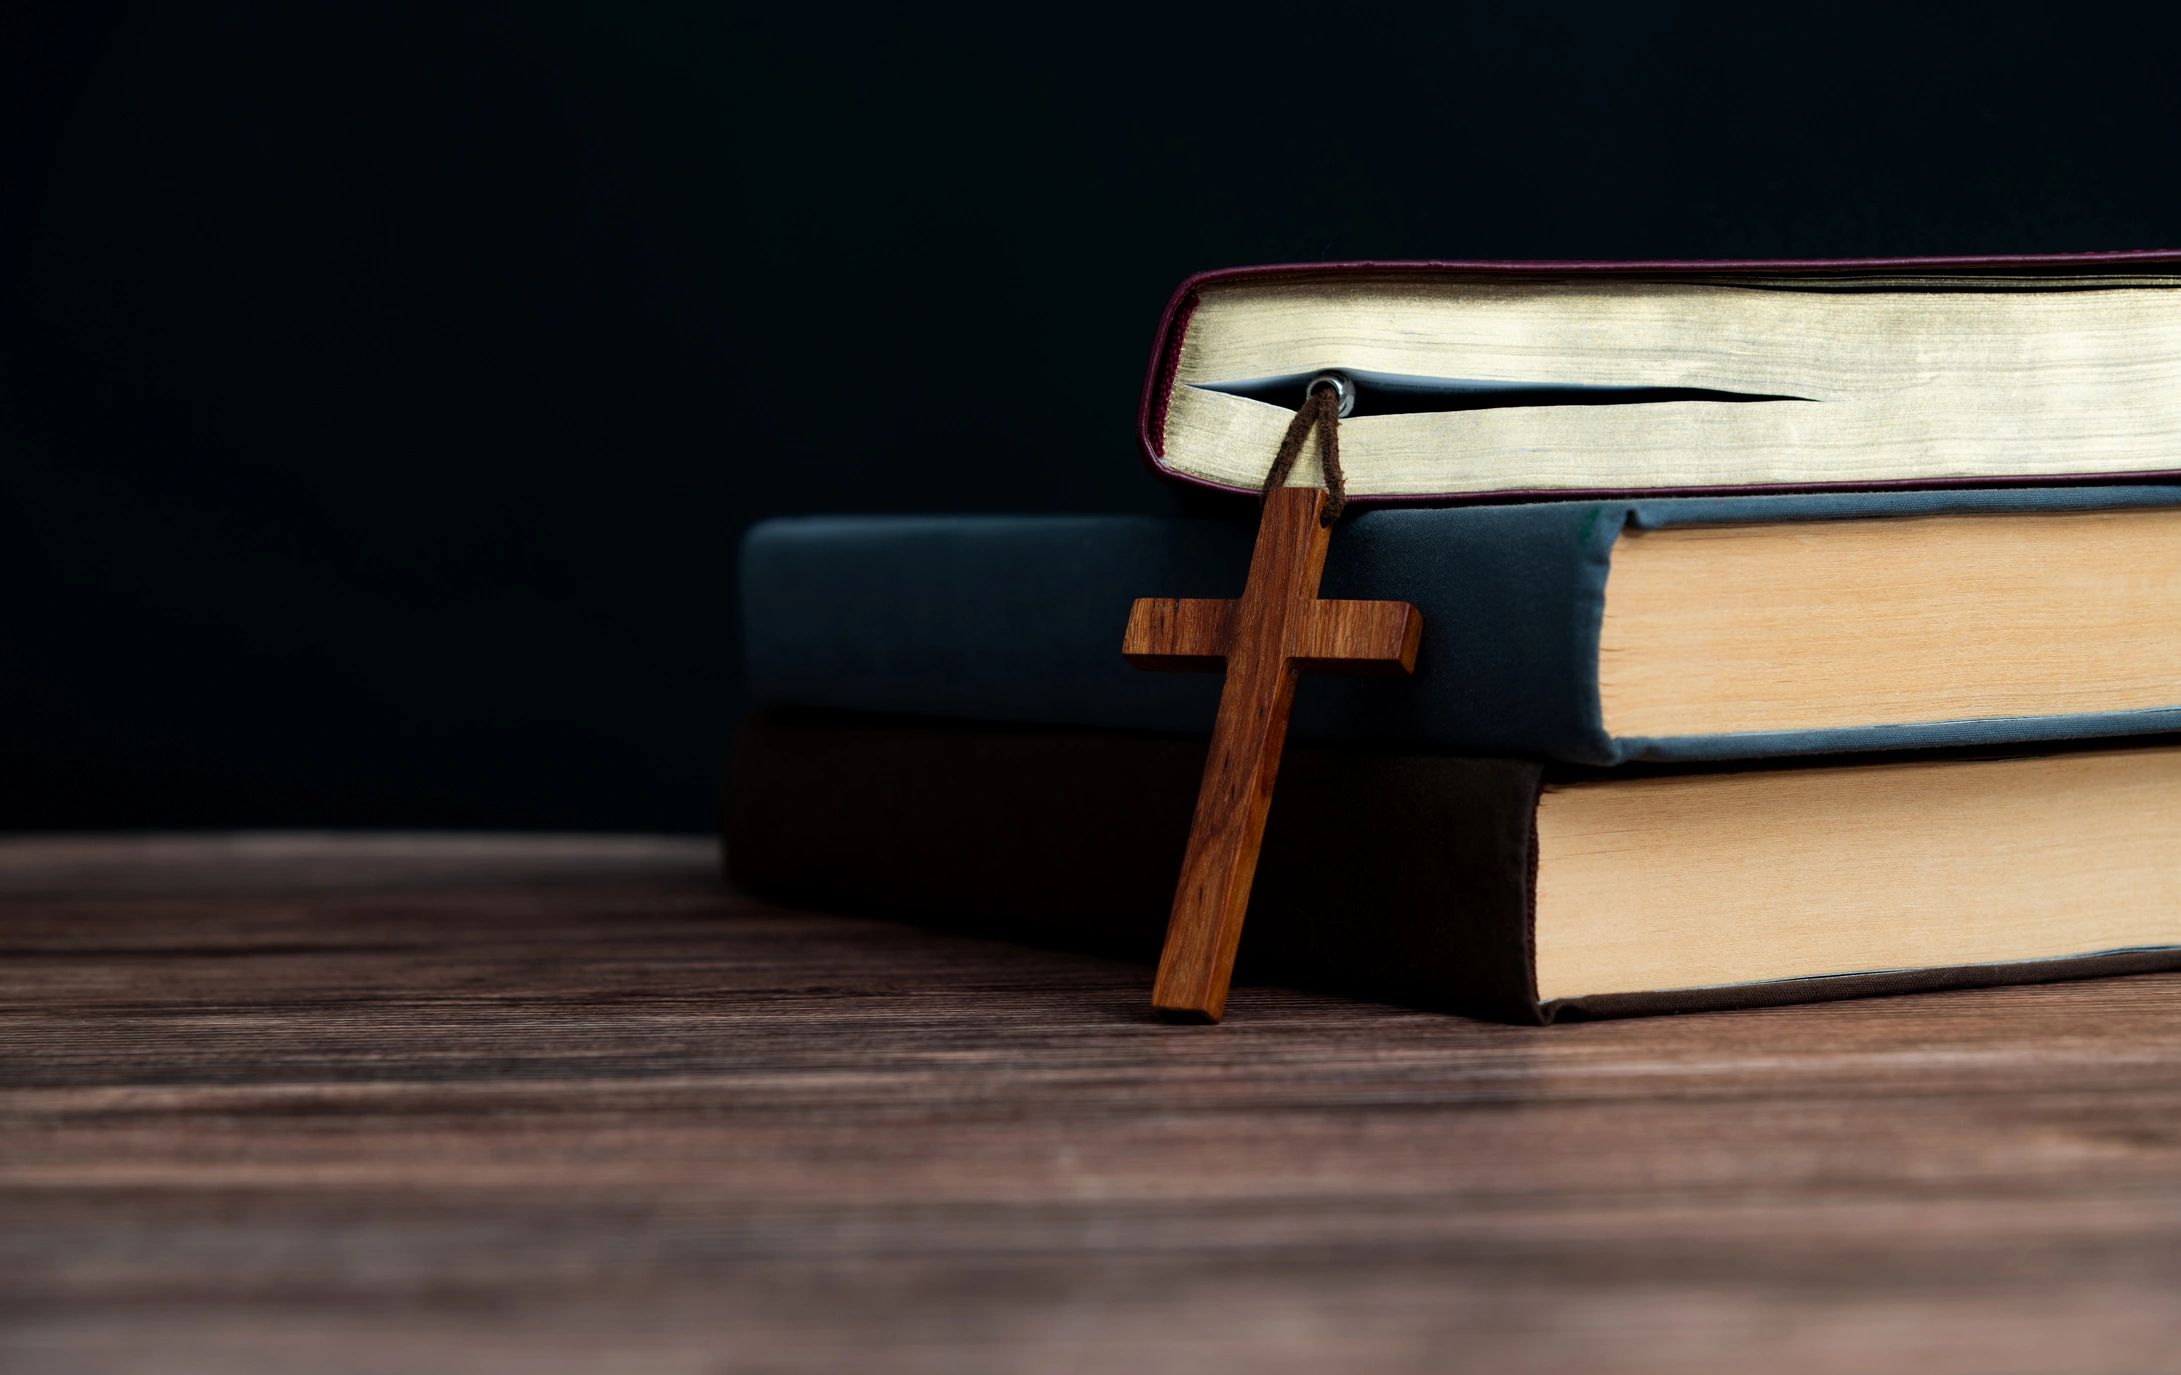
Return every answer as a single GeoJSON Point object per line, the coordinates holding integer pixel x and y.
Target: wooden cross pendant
{"type": "Point", "coordinates": [1279, 627]}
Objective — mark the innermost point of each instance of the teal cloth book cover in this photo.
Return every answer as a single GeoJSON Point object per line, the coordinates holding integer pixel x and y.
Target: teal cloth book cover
{"type": "Point", "coordinates": [1019, 619]}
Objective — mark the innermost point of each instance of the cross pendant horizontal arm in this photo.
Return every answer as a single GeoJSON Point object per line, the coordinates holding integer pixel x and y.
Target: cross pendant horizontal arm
{"type": "Point", "coordinates": [1335, 637]}
{"type": "Point", "coordinates": [1278, 627]}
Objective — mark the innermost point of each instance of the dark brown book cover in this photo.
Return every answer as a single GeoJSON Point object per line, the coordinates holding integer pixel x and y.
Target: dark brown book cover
{"type": "Point", "coordinates": [1400, 876]}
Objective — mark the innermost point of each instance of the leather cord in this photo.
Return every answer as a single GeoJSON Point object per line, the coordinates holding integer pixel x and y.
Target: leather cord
{"type": "Point", "coordinates": [1320, 411]}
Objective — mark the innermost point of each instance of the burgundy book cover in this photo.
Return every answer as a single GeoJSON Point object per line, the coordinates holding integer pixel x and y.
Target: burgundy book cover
{"type": "Point", "coordinates": [1174, 326]}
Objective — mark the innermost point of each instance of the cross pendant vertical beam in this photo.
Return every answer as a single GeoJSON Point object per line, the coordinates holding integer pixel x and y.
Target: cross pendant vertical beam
{"type": "Point", "coordinates": [1277, 628]}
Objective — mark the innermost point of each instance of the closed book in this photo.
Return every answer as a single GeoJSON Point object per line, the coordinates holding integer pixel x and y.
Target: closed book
{"type": "Point", "coordinates": [1498, 379]}
{"type": "Point", "coordinates": [1594, 632]}
{"type": "Point", "coordinates": [1502, 889]}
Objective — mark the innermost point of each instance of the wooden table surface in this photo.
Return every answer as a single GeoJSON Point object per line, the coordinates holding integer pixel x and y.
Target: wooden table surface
{"type": "Point", "coordinates": [380, 1104]}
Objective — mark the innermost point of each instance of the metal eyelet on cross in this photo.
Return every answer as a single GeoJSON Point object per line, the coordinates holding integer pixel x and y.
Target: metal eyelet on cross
{"type": "Point", "coordinates": [1343, 387]}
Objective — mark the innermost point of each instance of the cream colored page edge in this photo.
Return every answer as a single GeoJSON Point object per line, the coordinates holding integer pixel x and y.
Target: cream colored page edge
{"type": "Point", "coordinates": [1721, 879]}
{"type": "Point", "coordinates": [1892, 384]}
{"type": "Point", "coordinates": [1795, 343]}
{"type": "Point", "coordinates": [1229, 441]}
{"type": "Point", "coordinates": [1830, 624]}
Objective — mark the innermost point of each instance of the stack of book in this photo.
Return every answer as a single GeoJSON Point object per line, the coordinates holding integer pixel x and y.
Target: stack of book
{"type": "Point", "coordinates": [1791, 631]}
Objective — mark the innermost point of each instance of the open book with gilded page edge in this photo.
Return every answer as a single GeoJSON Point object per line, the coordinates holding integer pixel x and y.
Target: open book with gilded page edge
{"type": "Point", "coordinates": [1484, 380]}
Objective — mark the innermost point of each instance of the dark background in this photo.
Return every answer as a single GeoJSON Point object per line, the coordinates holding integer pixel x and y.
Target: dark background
{"type": "Point", "coordinates": [383, 389]}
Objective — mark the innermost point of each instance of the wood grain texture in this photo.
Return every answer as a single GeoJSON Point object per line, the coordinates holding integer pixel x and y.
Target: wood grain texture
{"type": "Point", "coordinates": [385, 1105]}
{"type": "Point", "coordinates": [1278, 627]}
